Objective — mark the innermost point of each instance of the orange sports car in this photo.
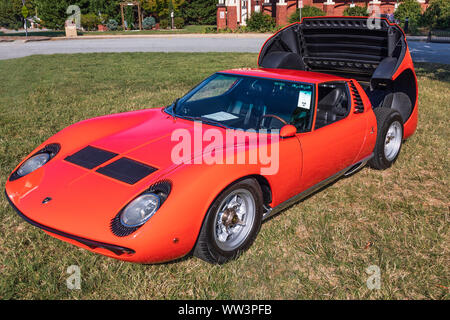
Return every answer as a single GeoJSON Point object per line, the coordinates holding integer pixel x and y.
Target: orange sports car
{"type": "Point", "coordinates": [199, 176]}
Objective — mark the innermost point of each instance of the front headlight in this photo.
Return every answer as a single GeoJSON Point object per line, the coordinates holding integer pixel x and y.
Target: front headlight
{"type": "Point", "coordinates": [140, 210]}
{"type": "Point", "coordinates": [36, 161]}
{"type": "Point", "coordinates": [33, 163]}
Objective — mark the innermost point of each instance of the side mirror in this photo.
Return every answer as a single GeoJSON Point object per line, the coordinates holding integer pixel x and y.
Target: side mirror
{"type": "Point", "coordinates": [288, 131]}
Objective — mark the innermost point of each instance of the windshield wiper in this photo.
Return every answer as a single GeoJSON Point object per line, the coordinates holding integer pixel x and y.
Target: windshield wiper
{"type": "Point", "coordinates": [193, 118]}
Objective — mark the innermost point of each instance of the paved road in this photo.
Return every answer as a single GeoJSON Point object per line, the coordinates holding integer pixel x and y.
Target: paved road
{"type": "Point", "coordinates": [421, 51]}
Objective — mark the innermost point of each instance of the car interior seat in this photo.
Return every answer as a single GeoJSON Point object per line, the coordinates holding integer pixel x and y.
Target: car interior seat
{"type": "Point", "coordinates": [248, 105]}
{"type": "Point", "coordinates": [331, 107]}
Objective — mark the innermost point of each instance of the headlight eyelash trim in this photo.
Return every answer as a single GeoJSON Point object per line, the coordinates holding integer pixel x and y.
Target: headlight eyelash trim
{"type": "Point", "coordinates": [161, 188]}
{"type": "Point", "coordinates": [52, 149]}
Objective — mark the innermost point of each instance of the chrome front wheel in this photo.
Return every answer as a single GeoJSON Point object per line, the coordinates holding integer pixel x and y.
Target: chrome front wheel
{"type": "Point", "coordinates": [234, 219]}
{"type": "Point", "coordinates": [232, 222]}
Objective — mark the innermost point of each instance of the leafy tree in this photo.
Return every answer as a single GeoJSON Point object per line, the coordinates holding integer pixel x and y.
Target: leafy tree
{"type": "Point", "coordinates": [109, 8]}
{"type": "Point", "coordinates": [11, 13]}
{"type": "Point", "coordinates": [199, 11]}
{"type": "Point", "coordinates": [437, 14]}
{"type": "Point", "coordinates": [356, 11]}
{"type": "Point", "coordinates": [162, 8]}
{"type": "Point", "coordinates": [53, 12]}
{"type": "Point", "coordinates": [409, 9]}
{"type": "Point", "coordinates": [307, 11]}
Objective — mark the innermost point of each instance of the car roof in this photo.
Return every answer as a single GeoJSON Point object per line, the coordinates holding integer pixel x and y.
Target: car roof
{"type": "Point", "coordinates": [285, 74]}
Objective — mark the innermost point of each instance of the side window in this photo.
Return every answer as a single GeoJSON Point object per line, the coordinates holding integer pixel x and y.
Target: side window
{"type": "Point", "coordinates": [304, 102]}
{"type": "Point", "coordinates": [333, 103]}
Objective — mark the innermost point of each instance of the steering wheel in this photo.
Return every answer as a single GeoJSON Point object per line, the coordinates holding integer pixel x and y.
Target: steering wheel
{"type": "Point", "coordinates": [271, 116]}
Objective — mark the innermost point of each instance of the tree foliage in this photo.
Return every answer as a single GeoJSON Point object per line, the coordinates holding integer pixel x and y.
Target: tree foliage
{"type": "Point", "coordinates": [260, 22]}
{"type": "Point", "coordinates": [409, 9]}
{"type": "Point", "coordinates": [307, 11]}
{"type": "Point", "coordinates": [52, 13]}
{"type": "Point", "coordinates": [199, 11]}
{"type": "Point", "coordinates": [11, 13]}
{"type": "Point", "coordinates": [356, 11]}
{"type": "Point", "coordinates": [437, 14]}
{"type": "Point", "coordinates": [162, 8]}
{"type": "Point", "coordinates": [90, 21]}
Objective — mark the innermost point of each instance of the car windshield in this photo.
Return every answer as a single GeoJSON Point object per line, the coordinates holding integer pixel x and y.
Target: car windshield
{"type": "Point", "coordinates": [242, 102]}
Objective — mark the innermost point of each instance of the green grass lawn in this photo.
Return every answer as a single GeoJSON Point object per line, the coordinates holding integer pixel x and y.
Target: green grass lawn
{"type": "Point", "coordinates": [313, 250]}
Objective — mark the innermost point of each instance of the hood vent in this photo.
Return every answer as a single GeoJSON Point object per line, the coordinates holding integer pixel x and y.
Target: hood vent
{"type": "Point", "coordinates": [126, 170]}
{"type": "Point", "coordinates": [90, 157]}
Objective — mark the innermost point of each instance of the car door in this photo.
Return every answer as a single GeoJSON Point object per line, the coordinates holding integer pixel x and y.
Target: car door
{"type": "Point", "coordinates": [336, 138]}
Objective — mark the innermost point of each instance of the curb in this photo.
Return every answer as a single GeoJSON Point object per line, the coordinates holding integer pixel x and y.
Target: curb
{"type": "Point", "coordinates": [185, 35]}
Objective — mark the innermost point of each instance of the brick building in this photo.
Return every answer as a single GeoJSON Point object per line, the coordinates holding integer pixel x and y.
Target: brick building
{"type": "Point", "coordinates": [234, 13]}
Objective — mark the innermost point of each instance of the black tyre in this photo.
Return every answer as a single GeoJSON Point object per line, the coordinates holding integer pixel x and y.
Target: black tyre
{"type": "Point", "coordinates": [231, 223]}
{"type": "Point", "coordinates": [389, 138]}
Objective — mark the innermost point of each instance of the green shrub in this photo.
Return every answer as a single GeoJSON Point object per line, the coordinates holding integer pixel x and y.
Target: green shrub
{"type": "Point", "coordinates": [148, 23]}
{"type": "Point", "coordinates": [112, 24]}
{"type": "Point", "coordinates": [307, 11]}
{"type": "Point", "coordinates": [241, 29]}
{"type": "Point", "coordinates": [260, 22]}
{"type": "Point", "coordinates": [164, 24]}
{"type": "Point", "coordinates": [437, 15]}
{"type": "Point", "coordinates": [409, 9]}
{"type": "Point", "coordinates": [90, 21]}
{"type": "Point", "coordinates": [226, 30]}
{"type": "Point", "coordinates": [178, 22]}
{"type": "Point", "coordinates": [129, 17]}
{"type": "Point", "coordinates": [103, 18]}
{"type": "Point", "coordinates": [210, 30]}
{"type": "Point", "coordinates": [356, 11]}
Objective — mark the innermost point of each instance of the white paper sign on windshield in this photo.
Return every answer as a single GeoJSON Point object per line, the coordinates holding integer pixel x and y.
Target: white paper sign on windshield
{"type": "Point", "coordinates": [220, 116]}
{"type": "Point", "coordinates": [304, 99]}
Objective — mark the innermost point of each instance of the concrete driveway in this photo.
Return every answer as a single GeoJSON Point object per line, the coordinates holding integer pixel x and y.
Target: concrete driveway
{"type": "Point", "coordinates": [421, 51]}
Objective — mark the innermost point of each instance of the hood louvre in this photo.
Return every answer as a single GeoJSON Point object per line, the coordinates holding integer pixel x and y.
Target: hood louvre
{"type": "Point", "coordinates": [126, 170]}
{"type": "Point", "coordinates": [90, 157]}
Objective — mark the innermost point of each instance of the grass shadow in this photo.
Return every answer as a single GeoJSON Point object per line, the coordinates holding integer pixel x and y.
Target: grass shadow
{"type": "Point", "coordinates": [434, 71]}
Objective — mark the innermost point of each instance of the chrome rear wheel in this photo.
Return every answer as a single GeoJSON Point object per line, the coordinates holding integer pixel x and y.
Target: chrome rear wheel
{"type": "Point", "coordinates": [393, 140]}
{"type": "Point", "coordinates": [389, 138]}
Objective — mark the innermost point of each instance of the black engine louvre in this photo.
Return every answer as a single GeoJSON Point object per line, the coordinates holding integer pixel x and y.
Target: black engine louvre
{"type": "Point", "coordinates": [126, 170]}
{"type": "Point", "coordinates": [90, 157]}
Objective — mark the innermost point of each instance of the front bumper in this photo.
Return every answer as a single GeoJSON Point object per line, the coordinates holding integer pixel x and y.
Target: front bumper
{"type": "Point", "coordinates": [92, 244]}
